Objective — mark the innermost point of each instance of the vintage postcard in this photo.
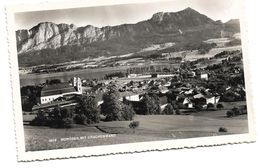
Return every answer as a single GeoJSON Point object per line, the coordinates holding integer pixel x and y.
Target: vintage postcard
{"type": "Point", "coordinates": [101, 77]}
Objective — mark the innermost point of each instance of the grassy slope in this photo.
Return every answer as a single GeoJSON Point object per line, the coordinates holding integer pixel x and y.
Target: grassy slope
{"type": "Point", "coordinates": [154, 127]}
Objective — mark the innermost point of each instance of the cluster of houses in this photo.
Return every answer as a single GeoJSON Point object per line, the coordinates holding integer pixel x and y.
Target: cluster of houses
{"type": "Point", "coordinates": [187, 97]}
{"type": "Point", "coordinates": [192, 98]}
{"type": "Point", "coordinates": [167, 87]}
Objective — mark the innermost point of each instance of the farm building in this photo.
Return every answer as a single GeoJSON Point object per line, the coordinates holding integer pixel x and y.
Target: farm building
{"type": "Point", "coordinates": [204, 76]}
{"type": "Point", "coordinates": [184, 101]}
{"type": "Point", "coordinates": [51, 92]}
{"type": "Point", "coordinates": [135, 98]}
{"type": "Point", "coordinates": [206, 99]}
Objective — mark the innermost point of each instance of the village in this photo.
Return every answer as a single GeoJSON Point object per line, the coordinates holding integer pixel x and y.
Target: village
{"type": "Point", "coordinates": [201, 97]}
{"type": "Point", "coordinates": [196, 85]}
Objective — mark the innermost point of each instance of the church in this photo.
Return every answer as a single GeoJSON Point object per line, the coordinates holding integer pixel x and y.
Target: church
{"type": "Point", "coordinates": [50, 92]}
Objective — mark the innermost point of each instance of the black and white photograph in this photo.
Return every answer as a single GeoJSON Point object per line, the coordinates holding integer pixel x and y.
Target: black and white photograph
{"type": "Point", "coordinates": [129, 74]}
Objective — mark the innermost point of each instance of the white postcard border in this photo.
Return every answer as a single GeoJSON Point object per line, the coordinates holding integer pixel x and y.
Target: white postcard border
{"type": "Point", "coordinates": [22, 155]}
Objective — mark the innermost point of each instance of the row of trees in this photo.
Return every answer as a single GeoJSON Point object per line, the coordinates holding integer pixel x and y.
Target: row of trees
{"type": "Point", "coordinates": [151, 68]}
{"type": "Point", "coordinates": [115, 74]}
{"type": "Point", "coordinates": [86, 112]}
{"type": "Point", "coordinates": [57, 118]}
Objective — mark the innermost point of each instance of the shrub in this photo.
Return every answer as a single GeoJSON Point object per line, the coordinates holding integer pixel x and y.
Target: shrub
{"type": "Point", "coordinates": [230, 114]}
{"type": "Point", "coordinates": [243, 109]}
{"type": "Point", "coordinates": [220, 106]}
{"type": "Point", "coordinates": [133, 125]}
{"type": "Point", "coordinates": [80, 119]}
{"type": "Point", "coordinates": [177, 111]}
{"type": "Point", "coordinates": [222, 129]}
{"type": "Point", "coordinates": [60, 118]}
{"type": "Point", "coordinates": [210, 106]}
{"type": "Point", "coordinates": [57, 118]}
{"type": "Point", "coordinates": [54, 81]}
{"type": "Point", "coordinates": [236, 111]}
{"type": "Point", "coordinates": [198, 107]}
{"type": "Point", "coordinates": [66, 123]}
{"type": "Point", "coordinates": [40, 119]}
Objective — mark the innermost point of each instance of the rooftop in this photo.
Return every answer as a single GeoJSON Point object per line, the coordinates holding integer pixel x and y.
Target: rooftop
{"type": "Point", "coordinates": [55, 89]}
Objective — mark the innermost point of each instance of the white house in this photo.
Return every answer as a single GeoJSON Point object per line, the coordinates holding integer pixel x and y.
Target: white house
{"type": "Point", "coordinates": [186, 101]}
{"type": "Point", "coordinates": [51, 92]}
{"type": "Point", "coordinates": [132, 76]}
{"type": "Point", "coordinates": [212, 99]}
{"type": "Point", "coordinates": [135, 98]}
{"type": "Point", "coordinates": [204, 76]}
{"type": "Point", "coordinates": [208, 98]}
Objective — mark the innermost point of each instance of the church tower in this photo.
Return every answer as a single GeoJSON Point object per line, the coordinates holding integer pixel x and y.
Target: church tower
{"type": "Point", "coordinates": [77, 84]}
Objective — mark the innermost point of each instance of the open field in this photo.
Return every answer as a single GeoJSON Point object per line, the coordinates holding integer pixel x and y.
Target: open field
{"type": "Point", "coordinates": [152, 128]}
{"type": "Point", "coordinates": [194, 55]}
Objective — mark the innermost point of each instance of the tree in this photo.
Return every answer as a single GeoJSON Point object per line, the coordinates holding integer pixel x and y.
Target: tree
{"type": "Point", "coordinates": [40, 119]}
{"type": "Point", "coordinates": [230, 114]}
{"type": "Point", "coordinates": [60, 118]}
{"type": "Point", "coordinates": [127, 112]}
{"type": "Point", "coordinates": [175, 107]}
{"type": "Point", "coordinates": [177, 111]}
{"type": "Point", "coordinates": [29, 96]}
{"type": "Point", "coordinates": [145, 105]}
{"type": "Point", "coordinates": [169, 110]}
{"type": "Point", "coordinates": [236, 111]}
{"type": "Point", "coordinates": [210, 106]}
{"type": "Point", "coordinates": [87, 111]}
{"type": "Point", "coordinates": [222, 129]}
{"type": "Point", "coordinates": [198, 107]}
{"type": "Point", "coordinates": [156, 104]}
{"type": "Point", "coordinates": [111, 106]}
{"type": "Point", "coordinates": [54, 81]}
{"type": "Point", "coordinates": [220, 106]}
{"type": "Point", "coordinates": [150, 104]}
{"type": "Point", "coordinates": [133, 125]}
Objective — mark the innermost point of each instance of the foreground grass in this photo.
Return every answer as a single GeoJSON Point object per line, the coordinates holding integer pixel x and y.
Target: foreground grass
{"type": "Point", "coordinates": [152, 128]}
{"type": "Point", "coordinates": [42, 138]}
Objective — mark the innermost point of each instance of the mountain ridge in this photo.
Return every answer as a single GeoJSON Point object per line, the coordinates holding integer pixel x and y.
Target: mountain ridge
{"type": "Point", "coordinates": [162, 27]}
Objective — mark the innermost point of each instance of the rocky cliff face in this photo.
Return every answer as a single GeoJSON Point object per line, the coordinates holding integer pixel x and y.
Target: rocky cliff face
{"type": "Point", "coordinates": [49, 42]}
{"type": "Point", "coordinates": [51, 35]}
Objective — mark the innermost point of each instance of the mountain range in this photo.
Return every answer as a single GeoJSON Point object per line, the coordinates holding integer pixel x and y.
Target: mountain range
{"type": "Point", "coordinates": [48, 43]}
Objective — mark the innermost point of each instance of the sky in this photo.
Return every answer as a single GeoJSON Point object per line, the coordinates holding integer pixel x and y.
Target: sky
{"type": "Point", "coordinates": [129, 13]}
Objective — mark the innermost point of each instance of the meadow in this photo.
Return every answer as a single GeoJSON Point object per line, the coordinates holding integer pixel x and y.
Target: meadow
{"type": "Point", "coordinates": [152, 128]}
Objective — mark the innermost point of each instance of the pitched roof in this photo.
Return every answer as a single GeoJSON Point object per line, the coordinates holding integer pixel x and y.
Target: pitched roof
{"type": "Point", "coordinates": [198, 96]}
{"type": "Point", "coordinates": [55, 89]}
